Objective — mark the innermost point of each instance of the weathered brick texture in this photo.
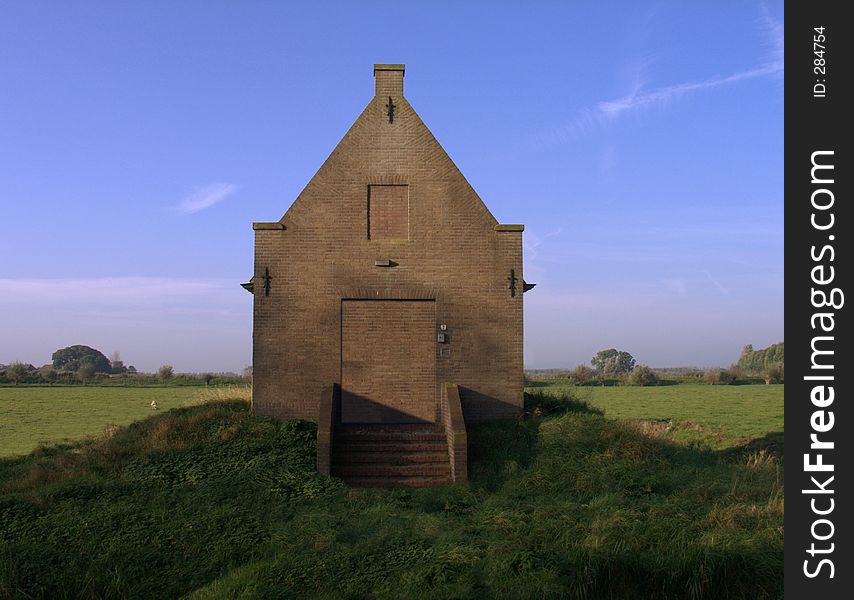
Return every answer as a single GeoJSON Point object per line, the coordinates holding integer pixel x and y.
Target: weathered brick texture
{"type": "Point", "coordinates": [322, 261]}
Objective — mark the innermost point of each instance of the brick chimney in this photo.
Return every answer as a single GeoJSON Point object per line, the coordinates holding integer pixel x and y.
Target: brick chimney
{"type": "Point", "coordinates": [388, 80]}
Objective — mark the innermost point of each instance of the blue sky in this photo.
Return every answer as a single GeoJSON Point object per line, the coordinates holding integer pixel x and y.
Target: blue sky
{"type": "Point", "coordinates": [640, 143]}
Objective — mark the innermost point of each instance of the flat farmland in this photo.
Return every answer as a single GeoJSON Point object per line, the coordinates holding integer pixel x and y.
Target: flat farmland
{"type": "Point", "coordinates": [722, 415]}
{"type": "Point", "coordinates": [30, 415]}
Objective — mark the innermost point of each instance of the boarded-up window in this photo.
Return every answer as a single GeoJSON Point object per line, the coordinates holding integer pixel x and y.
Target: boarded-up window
{"type": "Point", "coordinates": [388, 212]}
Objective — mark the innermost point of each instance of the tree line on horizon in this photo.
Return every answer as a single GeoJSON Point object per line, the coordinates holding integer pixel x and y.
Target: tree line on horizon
{"type": "Point", "coordinates": [84, 364]}
{"type": "Point", "coordinates": [766, 361]}
{"type": "Point", "coordinates": [615, 367]}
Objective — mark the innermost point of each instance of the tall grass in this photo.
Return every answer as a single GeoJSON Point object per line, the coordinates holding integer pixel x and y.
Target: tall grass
{"type": "Point", "coordinates": [224, 393]}
{"type": "Point", "coordinates": [214, 502]}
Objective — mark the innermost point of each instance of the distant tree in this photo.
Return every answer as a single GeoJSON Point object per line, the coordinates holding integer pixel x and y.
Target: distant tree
{"type": "Point", "coordinates": [131, 370]}
{"type": "Point", "coordinates": [721, 376]}
{"type": "Point", "coordinates": [582, 375]}
{"type": "Point", "coordinates": [86, 372]}
{"type": "Point", "coordinates": [74, 357]}
{"type": "Point", "coordinates": [643, 375]}
{"type": "Point", "coordinates": [207, 378]}
{"type": "Point", "coordinates": [17, 372]}
{"type": "Point", "coordinates": [166, 372]}
{"type": "Point", "coordinates": [613, 362]}
{"type": "Point", "coordinates": [95, 363]}
{"type": "Point", "coordinates": [49, 375]}
{"type": "Point", "coordinates": [758, 362]}
{"type": "Point", "coordinates": [711, 376]}
{"type": "Point", "coordinates": [732, 375]}
{"type": "Point", "coordinates": [117, 366]}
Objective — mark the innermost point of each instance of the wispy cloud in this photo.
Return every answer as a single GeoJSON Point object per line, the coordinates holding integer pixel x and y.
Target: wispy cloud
{"type": "Point", "coordinates": [662, 96]}
{"type": "Point", "coordinates": [716, 283]}
{"type": "Point", "coordinates": [532, 241]}
{"type": "Point", "coordinates": [605, 113]}
{"type": "Point", "coordinates": [772, 30]}
{"type": "Point", "coordinates": [119, 291]}
{"type": "Point", "coordinates": [205, 197]}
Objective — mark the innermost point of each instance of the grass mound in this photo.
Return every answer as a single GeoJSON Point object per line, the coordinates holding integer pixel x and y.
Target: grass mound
{"type": "Point", "coordinates": [214, 502]}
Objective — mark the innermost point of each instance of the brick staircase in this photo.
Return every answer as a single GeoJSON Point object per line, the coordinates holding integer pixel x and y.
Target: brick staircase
{"type": "Point", "coordinates": [391, 455]}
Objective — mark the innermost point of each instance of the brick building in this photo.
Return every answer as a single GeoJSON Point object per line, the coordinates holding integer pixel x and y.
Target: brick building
{"type": "Point", "coordinates": [388, 298]}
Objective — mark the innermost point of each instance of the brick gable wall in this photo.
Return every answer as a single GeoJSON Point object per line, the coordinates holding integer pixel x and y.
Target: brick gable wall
{"type": "Point", "coordinates": [454, 256]}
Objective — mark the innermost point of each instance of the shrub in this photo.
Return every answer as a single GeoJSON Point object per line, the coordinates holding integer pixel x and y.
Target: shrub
{"type": "Point", "coordinates": [166, 372]}
{"type": "Point", "coordinates": [86, 372]}
{"type": "Point", "coordinates": [643, 375]}
{"type": "Point", "coordinates": [722, 376]}
{"type": "Point", "coordinates": [773, 374]}
{"type": "Point", "coordinates": [17, 372]}
{"type": "Point", "coordinates": [582, 375]}
{"type": "Point", "coordinates": [49, 374]}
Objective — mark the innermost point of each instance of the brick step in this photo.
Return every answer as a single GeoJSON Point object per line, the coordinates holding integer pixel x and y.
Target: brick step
{"type": "Point", "coordinates": [399, 446]}
{"type": "Point", "coordinates": [385, 470]}
{"type": "Point", "coordinates": [392, 482]}
{"type": "Point", "coordinates": [388, 436]}
{"type": "Point", "coordinates": [391, 426]}
{"type": "Point", "coordinates": [392, 458]}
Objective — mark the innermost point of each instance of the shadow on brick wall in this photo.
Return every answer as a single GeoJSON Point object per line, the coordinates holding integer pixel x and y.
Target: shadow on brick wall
{"type": "Point", "coordinates": [356, 408]}
{"type": "Point", "coordinates": [478, 406]}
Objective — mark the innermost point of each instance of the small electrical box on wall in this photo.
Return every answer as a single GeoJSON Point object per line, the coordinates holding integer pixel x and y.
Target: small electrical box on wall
{"type": "Point", "coordinates": [441, 337]}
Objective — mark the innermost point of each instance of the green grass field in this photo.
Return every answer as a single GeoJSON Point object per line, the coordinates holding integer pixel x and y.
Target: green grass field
{"type": "Point", "coordinates": [33, 415]}
{"type": "Point", "coordinates": [720, 415]}
{"type": "Point", "coordinates": [727, 415]}
{"type": "Point", "coordinates": [209, 501]}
